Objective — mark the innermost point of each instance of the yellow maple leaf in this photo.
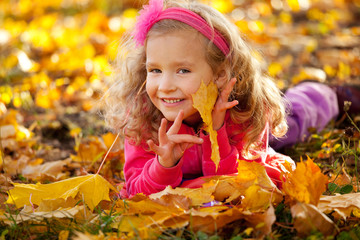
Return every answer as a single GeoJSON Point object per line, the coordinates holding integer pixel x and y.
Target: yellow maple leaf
{"type": "Point", "coordinates": [306, 183]}
{"type": "Point", "coordinates": [204, 100]}
{"type": "Point", "coordinates": [93, 188]}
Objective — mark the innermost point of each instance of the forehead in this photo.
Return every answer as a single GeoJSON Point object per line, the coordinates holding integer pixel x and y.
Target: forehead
{"type": "Point", "coordinates": [182, 43]}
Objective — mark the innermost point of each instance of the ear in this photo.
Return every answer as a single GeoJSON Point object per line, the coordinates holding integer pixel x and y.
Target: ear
{"type": "Point", "coordinates": [221, 79]}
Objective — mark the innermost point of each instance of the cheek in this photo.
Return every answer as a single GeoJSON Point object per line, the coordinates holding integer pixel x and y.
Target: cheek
{"type": "Point", "coordinates": [149, 87]}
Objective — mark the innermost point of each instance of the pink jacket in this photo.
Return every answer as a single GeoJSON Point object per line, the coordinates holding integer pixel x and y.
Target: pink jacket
{"type": "Point", "coordinates": [144, 174]}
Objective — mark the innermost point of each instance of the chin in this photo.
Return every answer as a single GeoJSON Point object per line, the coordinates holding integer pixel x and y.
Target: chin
{"type": "Point", "coordinates": [170, 118]}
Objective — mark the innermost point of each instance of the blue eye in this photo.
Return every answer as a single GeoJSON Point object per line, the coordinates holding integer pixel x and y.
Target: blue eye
{"type": "Point", "coordinates": [184, 71]}
{"type": "Point", "coordinates": [154, 70]}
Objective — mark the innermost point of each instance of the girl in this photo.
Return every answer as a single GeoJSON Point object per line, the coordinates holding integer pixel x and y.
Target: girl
{"type": "Point", "coordinates": [175, 46]}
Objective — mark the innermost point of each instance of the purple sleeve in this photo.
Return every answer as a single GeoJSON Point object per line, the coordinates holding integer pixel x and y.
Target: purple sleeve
{"type": "Point", "coordinates": [312, 104]}
{"type": "Point", "coordinates": [228, 154]}
{"type": "Point", "coordinates": [144, 174]}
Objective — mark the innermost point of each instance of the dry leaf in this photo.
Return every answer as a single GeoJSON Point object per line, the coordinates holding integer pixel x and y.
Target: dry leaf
{"type": "Point", "coordinates": [306, 183]}
{"type": "Point", "coordinates": [197, 196]}
{"type": "Point", "coordinates": [143, 204]}
{"type": "Point", "coordinates": [253, 183]}
{"type": "Point", "coordinates": [50, 170]}
{"type": "Point", "coordinates": [204, 100]}
{"type": "Point", "coordinates": [211, 218]}
{"type": "Point", "coordinates": [307, 218]}
{"type": "Point", "coordinates": [91, 150]}
{"type": "Point", "coordinates": [140, 226]}
{"type": "Point", "coordinates": [88, 236]}
{"type": "Point", "coordinates": [28, 215]}
{"type": "Point", "coordinates": [7, 131]}
{"type": "Point", "coordinates": [48, 205]}
{"type": "Point", "coordinates": [145, 218]}
{"type": "Point", "coordinates": [231, 188]}
{"type": "Point", "coordinates": [261, 222]}
{"type": "Point", "coordinates": [93, 188]}
{"type": "Point", "coordinates": [342, 205]}
{"type": "Point", "coordinates": [64, 235]}
{"type": "Point", "coordinates": [257, 198]}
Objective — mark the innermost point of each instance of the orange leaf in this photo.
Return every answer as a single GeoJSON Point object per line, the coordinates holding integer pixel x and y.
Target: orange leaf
{"type": "Point", "coordinates": [306, 183]}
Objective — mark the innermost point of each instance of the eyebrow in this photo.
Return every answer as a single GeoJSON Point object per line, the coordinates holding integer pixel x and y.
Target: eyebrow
{"type": "Point", "coordinates": [178, 63]}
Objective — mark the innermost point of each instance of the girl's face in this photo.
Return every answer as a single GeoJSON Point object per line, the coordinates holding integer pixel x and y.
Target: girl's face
{"type": "Point", "coordinates": [176, 65]}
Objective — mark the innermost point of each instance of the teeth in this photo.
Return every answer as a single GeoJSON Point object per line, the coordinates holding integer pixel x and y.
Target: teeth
{"type": "Point", "coordinates": [172, 100]}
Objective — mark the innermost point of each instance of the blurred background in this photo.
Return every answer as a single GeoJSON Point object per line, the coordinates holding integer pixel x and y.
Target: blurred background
{"type": "Point", "coordinates": [56, 60]}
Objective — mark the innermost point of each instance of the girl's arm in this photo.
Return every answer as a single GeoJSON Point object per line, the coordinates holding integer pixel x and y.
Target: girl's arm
{"type": "Point", "coordinates": [151, 171]}
{"type": "Point", "coordinates": [143, 172]}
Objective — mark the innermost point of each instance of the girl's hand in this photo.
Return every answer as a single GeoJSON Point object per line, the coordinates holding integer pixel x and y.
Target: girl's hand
{"type": "Point", "coordinates": [171, 144]}
{"type": "Point", "coordinates": [222, 104]}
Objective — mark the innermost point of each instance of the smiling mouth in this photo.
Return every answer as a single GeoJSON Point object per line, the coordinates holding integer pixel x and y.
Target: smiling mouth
{"type": "Point", "coordinates": [171, 100]}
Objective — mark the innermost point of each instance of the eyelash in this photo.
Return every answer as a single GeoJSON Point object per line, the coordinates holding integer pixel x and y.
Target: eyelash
{"type": "Point", "coordinates": [159, 71]}
{"type": "Point", "coordinates": [186, 71]}
{"type": "Point", "coordinates": [154, 70]}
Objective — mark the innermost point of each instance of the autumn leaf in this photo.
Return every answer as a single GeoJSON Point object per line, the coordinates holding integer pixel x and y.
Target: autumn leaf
{"type": "Point", "coordinates": [306, 183]}
{"type": "Point", "coordinates": [342, 205]}
{"type": "Point", "coordinates": [49, 170]}
{"type": "Point", "coordinates": [145, 217]}
{"type": "Point", "coordinates": [93, 188]}
{"type": "Point", "coordinates": [204, 100]}
{"type": "Point", "coordinates": [261, 222]}
{"type": "Point", "coordinates": [27, 214]}
{"type": "Point", "coordinates": [308, 217]}
{"type": "Point", "coordinates": [197, 196]}
{"type": "Point", "coordinates": [251, 177]}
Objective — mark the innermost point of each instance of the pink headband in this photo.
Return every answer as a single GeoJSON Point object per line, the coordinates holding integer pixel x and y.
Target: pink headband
{"type": "Point", "coordinates": [152, 13]}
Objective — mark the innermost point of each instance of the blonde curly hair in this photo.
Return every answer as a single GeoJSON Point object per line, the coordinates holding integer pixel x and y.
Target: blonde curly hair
{"type": "Point", "coordinates": [129, 109]}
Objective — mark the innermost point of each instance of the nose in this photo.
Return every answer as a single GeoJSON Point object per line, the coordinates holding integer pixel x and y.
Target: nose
{"type": "Point", "coordinates": [167, 83]}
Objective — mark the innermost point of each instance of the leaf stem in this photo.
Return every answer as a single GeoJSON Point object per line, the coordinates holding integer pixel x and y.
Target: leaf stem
{"type": "Point", "coordinates": [107, 153]}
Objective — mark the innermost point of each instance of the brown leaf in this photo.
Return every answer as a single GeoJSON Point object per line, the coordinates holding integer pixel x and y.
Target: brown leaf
{"type": "Point", "coordinates": [211, 218]}
{"type": "Point", "coordinates": [49, 170]}
{"type": "Point", "coordinates": [7, 131]}
{"type": "Point", "coordinates": [197, 196]}
{"type": "Point", "coordinates": [27, 214]}
{"type": "Point", "coordinates": [307, 218]}
{"type": "Point", "coordinates": [342, 205]}
{"type": "Point", "coordinates": [261, 222]}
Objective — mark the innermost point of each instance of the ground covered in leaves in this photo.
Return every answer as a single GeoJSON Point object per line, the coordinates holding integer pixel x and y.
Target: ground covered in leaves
{"type": "Point", "coordinates": [55, 62]}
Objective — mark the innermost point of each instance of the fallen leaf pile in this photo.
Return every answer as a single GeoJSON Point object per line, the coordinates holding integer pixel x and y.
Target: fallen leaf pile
{"type": "Point", "coordinates": [247, 198]}
{"type": "Point", "coordinates": [56, 60]}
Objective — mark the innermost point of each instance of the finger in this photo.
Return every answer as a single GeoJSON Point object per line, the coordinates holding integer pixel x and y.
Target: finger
{"type": "Point", "coordinates": [227, 90]}
{"type": "Point", "coordinates": [162, 132]}
{"type": "Point", "coordinates": [154, 148]}
{"type": "Point", "coordinates": [231, 104]}
{"type": "Point", "coordinates": [174, 129]}
{"type": "Point", "coordinates": [185, 138]}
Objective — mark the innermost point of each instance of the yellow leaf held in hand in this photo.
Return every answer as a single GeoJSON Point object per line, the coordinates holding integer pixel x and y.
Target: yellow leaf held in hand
{"type": "Point", "coordinates": [204, 100]}
{"type": "Point", "coordinates": [306, 183]}
{"type": "Point", "coordinates": [93, 188]}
